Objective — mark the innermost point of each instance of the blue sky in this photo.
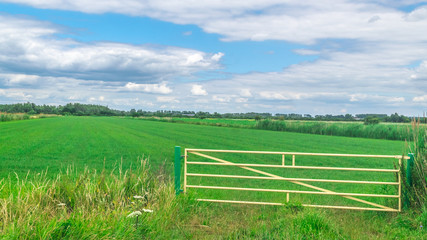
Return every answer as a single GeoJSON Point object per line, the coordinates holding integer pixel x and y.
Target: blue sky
{"type": "Point", "coordinates": [316, 57]}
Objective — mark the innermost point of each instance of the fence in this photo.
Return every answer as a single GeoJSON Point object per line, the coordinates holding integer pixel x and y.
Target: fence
{"type": "Point", "coordinates": [254, 168]}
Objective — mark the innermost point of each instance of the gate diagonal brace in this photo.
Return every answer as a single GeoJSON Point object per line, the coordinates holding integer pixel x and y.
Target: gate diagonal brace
{"type": "Point", "coordinates": [296, 182]}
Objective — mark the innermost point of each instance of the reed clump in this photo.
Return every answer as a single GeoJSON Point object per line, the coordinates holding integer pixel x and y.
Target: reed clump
{"type": "Point", "coordinates": [6, 117]}
{"type": "Point", "coordinates": [416, 190]}
{"type": "Point", "coordinates": [375, 131]}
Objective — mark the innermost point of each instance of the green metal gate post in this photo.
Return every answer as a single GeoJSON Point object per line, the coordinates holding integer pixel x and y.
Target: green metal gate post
{"type": "Point", "coordinates": [409, 166]}
{"type": "Point", "coordinates": [177, 170]}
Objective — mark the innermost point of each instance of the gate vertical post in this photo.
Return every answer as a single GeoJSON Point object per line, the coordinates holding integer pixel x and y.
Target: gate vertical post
{"type": "Point", "coordinates": [177, 169]}
{"type": "Point", "coordinates": [409, 166]}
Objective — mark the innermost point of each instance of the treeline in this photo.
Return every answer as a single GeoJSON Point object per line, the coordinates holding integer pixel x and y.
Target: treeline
{"type": "Point", "coordinates": [78, 109]}
{"type": "Point", "coordinates": [75, 109]}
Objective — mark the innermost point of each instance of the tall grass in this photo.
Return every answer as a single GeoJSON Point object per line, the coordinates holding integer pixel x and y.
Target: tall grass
{"type": "Point", "coordinates": [387, 131]}
{"type": "Point", "coordinates": [5, 117]}
{"type": "Point", "coordinates": [377, 131]}
{"type": "Point", "coordinates": [139, 204]}
{"type": "Point", "coordinates": [85, 205]}
{"type": "Point", "coordinates": [417, 191]}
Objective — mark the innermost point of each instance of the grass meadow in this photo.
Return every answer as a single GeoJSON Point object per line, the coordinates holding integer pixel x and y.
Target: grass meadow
{"type": "Point", "coordinates": [83, 177]}
{"type": "Point", "coordinates": [56, 143]}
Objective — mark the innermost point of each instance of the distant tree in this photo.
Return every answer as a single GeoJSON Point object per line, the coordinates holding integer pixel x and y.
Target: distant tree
{"type": "Point", "coordinates": [371, 120]}
{"type": "Point", "coordinates": [133, 113]}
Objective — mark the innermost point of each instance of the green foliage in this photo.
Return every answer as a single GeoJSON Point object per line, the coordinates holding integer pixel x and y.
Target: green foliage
{"type": "Point", "coordinates": [416, 193]}
{"type": "Point", "coordinates": [346, 129]}
{"type": "Point", "coordinates": [313, 225]}
{"type": "Point", "coordinates": [76, 109]}
{"type": "Point", "coordinates": [303, 225]}
{"type": "Point", "coordinates": [422, 219]}
{"type": "Point", "coordinates": [371, 121]}
{"type": "Point", "coordinates": [83, 205]}
{"type": "Point", "coordinates": [293, 206]}
{"type": "Point", "coordinates": [376, 131]}
{"type": "Point", "coordinates": [4, 117]}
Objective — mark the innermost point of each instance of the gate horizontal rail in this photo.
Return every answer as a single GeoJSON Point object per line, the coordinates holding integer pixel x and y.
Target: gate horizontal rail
{"type": "Point", "coordinates": [298, 181]}
{"type": "Point", "coordinates": [296, 167]}
{"type": "Point", "coordinates": [294, 191]}
{"type": "Point", "coordinates": [291, 179]}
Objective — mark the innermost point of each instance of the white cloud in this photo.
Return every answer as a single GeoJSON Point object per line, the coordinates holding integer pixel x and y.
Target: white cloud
{"type": "Point", "coordinates": [198, 90]}
{"type": "Point", "coordinates": [18, 79]}
{"type": "Point", "coordinates": [16, 94]}
{"type": "Point", "coordinates": [167, 99]}
{"type": "Point", "coordinates": [150, 88]}
{"type": "Point", "coordinates": [32, 46]}
{"type": "Point", "coordinates": [245, 93]}
{"type": "Point", "coordinates": [306, 52]}
{"type": "Point", "coordinates": [357, 97]}
{"type": "Point", "coordinates": [74, 97]}
{"type": "Point", "coordinates": [222, 99]}
{"type": "Point", "coordinates": [194, 58]}
{"type": "Point", "coordinates": [271, 95]}
{"type": "Point", "coordinates": [241, 100]}
{"type": "Point", "coordinates": [418, 14]}
{"type": "Point", "coordinates": [420, 98]}
{"type": "Point", "coordinates": [216, 57]}
{"type": "Point", "coordinates": [395, 99]}
{"type": "Point", "coordinates": [295, 21]}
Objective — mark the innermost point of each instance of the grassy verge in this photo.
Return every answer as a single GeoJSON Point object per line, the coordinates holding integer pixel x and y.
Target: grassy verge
{"type": "Point", "coordinates": [85, 205]}
{"type": "Point", "coordinates": [138, 203]}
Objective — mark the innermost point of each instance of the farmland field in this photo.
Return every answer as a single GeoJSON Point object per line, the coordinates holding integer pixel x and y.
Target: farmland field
{"type": "Point", "coordinates": [96, 142]}
{"type": "Point", "coordinates": [105, 142]}
{"type": "Point", "coordinates": [55, 143]}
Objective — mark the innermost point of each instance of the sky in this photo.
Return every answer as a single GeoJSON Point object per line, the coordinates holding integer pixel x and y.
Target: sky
{"type": "Point", "coordinates": [277, 56]}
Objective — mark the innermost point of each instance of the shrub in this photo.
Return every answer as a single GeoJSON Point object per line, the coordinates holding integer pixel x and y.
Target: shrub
{"type": "Point", "coordinates": [371, 120]}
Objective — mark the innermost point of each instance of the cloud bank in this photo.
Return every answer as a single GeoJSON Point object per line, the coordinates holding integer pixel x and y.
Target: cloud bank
{"type": "Point", "coordinates": [31, 46]}
{"type": "Point", "coordinates": [371, 56]}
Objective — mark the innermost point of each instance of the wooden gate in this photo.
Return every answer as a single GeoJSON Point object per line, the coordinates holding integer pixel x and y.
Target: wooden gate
{"type": "Point", "coordinates": [305, 182]}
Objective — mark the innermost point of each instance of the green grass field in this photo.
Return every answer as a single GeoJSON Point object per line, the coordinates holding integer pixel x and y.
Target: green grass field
{"type": "Point", "coordinates": [105, 143]}
{"type": "Point", "coordinates": [56, 143]}
{"type": "Point", "coordinates": [87, 141]}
